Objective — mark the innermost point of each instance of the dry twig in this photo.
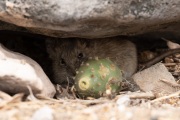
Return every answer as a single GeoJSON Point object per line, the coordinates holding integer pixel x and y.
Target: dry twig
{"type": "Point", "coordinates": [176, 94]}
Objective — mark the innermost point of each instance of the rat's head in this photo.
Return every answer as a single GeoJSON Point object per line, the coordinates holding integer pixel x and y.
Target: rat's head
{"type": "Point", "coordinates": [67, 55]}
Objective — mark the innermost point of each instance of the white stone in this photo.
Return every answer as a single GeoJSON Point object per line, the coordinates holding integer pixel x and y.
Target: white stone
{"type": "Point", "coordinates": [18, 71]}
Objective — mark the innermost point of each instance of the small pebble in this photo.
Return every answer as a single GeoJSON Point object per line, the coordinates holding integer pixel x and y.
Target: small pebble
{"type": "Point", "coordinates": [44, 113]}
{"type": "Point", "coordinates": [168, 60]}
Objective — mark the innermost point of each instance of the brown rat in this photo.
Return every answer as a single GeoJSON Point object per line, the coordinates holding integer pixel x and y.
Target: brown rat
{"type": "Point", "coordinates": [68, 54]}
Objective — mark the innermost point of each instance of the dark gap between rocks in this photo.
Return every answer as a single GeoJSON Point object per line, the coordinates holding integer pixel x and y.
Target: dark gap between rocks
{"type": "Point", "coordinates": [33, 45]}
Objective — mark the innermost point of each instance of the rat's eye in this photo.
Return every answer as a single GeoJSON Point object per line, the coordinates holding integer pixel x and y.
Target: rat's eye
{"type": "Point", "coordinates": [62, 61]}
{"type": "Point", "coordinates": [80, 56]}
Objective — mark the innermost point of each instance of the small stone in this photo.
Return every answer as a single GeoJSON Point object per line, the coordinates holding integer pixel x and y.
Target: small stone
{"type": "Point", "coordinates": [44, 113]}
{"type": "Point", "coordinates": [151, 79]}
{"type": "Point", "coordinates": [168, 60]}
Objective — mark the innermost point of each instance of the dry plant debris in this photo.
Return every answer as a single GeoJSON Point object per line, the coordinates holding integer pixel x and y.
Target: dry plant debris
{"type": "Point", "coordinates": [135, 105]}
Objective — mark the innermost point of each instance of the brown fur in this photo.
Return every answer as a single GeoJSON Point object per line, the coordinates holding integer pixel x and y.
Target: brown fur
{"type": "Point", "coordinates": [121, 52]}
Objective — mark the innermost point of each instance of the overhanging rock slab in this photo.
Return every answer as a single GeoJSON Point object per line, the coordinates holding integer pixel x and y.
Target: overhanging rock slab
{"type": "Point", "coordinates": [91, 19]}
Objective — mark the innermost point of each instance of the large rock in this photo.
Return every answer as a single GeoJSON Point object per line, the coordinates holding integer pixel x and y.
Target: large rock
{"type": "Point", "coordinates": [17, 72]}
{"type": "Point", "coordinates": [94, 18]}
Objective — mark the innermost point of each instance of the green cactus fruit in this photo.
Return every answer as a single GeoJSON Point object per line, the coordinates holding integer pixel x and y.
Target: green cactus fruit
{"type": "Point", "coordinates": [97, 77]}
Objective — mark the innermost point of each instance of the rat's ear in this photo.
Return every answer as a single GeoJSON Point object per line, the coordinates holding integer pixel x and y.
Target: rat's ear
{"type": "Point", "coordinates": [51, 46]}
{"type": "Point", "coordinates": [84, 43]}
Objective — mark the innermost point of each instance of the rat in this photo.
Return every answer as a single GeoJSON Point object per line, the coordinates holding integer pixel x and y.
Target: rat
{"type": "Point", "coordinates": [67, 54]}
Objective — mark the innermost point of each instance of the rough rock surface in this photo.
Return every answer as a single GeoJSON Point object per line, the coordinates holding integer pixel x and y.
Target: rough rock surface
{"type": "Point", "coordinates": [18, 72]}
{"type": "Point", "coordinates": [95, 18]}
{"type": "Point", "coordinates": [156, 79]}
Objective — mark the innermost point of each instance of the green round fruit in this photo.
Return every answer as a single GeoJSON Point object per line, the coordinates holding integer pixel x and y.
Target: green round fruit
{"type": "Point", "coordinates": [95, 77]}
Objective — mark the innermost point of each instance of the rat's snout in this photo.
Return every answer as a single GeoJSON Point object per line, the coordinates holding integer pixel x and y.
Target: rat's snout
{"type": "Point", "coordinates": [71, 71]}
{"type": "Point", "coordinates": [77, 65]}
{"type": "Point", "coordinates": [71, 75]}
